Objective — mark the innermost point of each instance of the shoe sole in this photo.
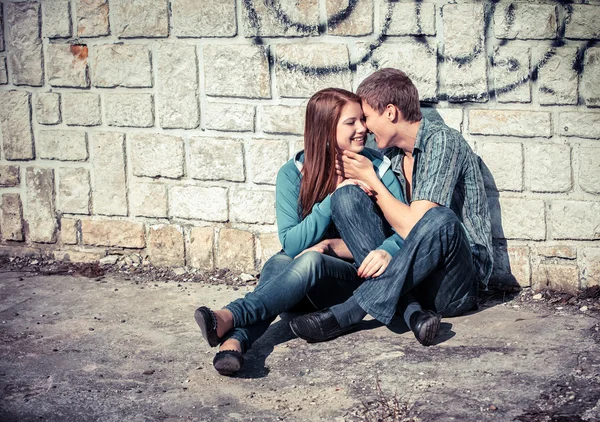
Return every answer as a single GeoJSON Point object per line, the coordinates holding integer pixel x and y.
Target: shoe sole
{"type": "Point", "coordinates": [429, 331]}
{"type": "Point", "coordinates": [203, 324]}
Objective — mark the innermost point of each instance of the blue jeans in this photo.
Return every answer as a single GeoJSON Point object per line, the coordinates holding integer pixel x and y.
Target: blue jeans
{"type": "Point", "coordinates": [313, 278]}
{"type": "Point", "coordinates": [434, 267]}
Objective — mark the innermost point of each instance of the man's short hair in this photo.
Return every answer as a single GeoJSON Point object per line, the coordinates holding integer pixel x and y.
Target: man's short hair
{"type": "Point", "coordinates": [391, 86]}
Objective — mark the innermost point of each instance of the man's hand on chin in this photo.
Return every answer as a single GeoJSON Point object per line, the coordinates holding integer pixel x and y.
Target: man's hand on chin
{"type": "Point", "coordinates": [351, 165]}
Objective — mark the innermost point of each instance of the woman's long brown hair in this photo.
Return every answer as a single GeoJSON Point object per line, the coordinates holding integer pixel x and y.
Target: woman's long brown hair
{"type": "Point", "coordinates": [318, 173]}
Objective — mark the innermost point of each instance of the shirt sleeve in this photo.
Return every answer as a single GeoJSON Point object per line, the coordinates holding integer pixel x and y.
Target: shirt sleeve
{"type": "Point", "coordinates": [393, 243]}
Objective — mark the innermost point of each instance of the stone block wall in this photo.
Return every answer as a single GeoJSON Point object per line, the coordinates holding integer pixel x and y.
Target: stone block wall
{"type": "Point", "coordinates": [157, 126]}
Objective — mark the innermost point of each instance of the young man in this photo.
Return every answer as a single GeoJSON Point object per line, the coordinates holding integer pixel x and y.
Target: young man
{"type": "Point", "coordinates": [446, 224]}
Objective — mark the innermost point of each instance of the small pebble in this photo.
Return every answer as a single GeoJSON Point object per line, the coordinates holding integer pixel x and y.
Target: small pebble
{"type": "Point", "coordinates": [91, 329]}
{"type": "Point", "coordinates": [537, 296]}
{"type": "Point", "coordinates": [493, 407]}
{"type": "Point", "coordinates": [148, 372]}
{"type": "Point", "coordinates": [583, 308]}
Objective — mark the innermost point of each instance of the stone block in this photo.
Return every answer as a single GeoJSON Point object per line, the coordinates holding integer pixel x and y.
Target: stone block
{"type": "Point", "coordinates": [12, 217]}
{"type": "Point", "coordinates": [156, 155]}
{"type": "Point", "coordinates": [557, 79]}
{"type": "Point", "coordinates": [68, 231]}
{"type": "Point", "coordinates": [589, 267]}
{"type": "Point", "coordinates": [281, 19]}
{"type": "Point", "coordinates": [165, 245]}
{"type": "Point", "coordinates": [2, 19]}
{"type": "Point", "coordinates": [589, 169]}
{"type": "Point", "coordinates": [268, 245]}
{"type": "Point", "coordinates": [521, 219]}
{"type": "Point", "coordinates": [56, 18]}
{"type": "Point", "coordinates": [126, 65]}
{"type": "Point", "coordinates": [15, 125]}
{"type": "Point", "coordinates": [511, 74]}
{"type": "Point", "coordinates": [3, 71]}
{"type": "Point", "coordinates": [557, 251]}
{"type": "Point", "coordinates": [148, 199]}
{"type": "Point", "coordinates": [590, 81]}
{"type": "Point", "coordinates": [129, 110]}
{"type": "Point", "coordinates": [200, 248]}
{"type": "Point", "coordinates": [82, 109]}
{"type": "Point", "coordinates": [108, 164]}
{"type": "Point", "coordinates": [579, 220]}
{"type": "Point", "coordinates": [236, 71]}
{"type": "Point", "coordinates": [24, 43]}
{"type": "Point", "coordinates": [9, 175]}
{"type": "Point", "coordinates": [204, 18]}
{"type": "Point", "coordinates": [140, 18]}
{"type": "Point", "coordinates": [67, 65]}
{"type": "Point", "coordinates": [582, 21]}
{"type": "Point", "coordinates": [217, 159]}
{"type": "Point", "coordinates": [558, 277]}
{"type": "Point", "coordinates": [582, 125]}
{"type": "Point", "coordinates": [464, 82]}
{"type": "Point", "coordinates": [113, 233]}
{"type": "Point", "coordinates": [520, 123]}
{"type": "Point", "coordinates": [349, 18]}
{"type": "Point", "coordinates": [229, 117]}
{"type": "Point", "coordinates": [303, 69]}
{"type": "Point", "coordinates": [178, 86]}
{"type": "Point", "coordinates": [74, 190]}
{"type": "Point", "coordinates": [64, 145]}
{"type": "Point", "coordinates": [47, 107]}
{"type": "Point", "coordinates": [78, 256]}
{"type": "Point", "coordinates": [505, 164]}
{"type": "Point", "coordinates": [520, 265]}
{"type": "Point", "coordinates": [453, 117]}
{"type": "Point", "coordinates": [236, 250]}
{"type": "Point", "coordinates": [525, 21]}
{"type": "Point", "coordinates": [40, 212]}
{"type": "Point", "coordinates": [198, 203]}
{"type": "Point", "coordinates": [413, 18]}
{"type": "Point", "coordinates": [92, 18]}
{"type": "Point", "coordinates": [549, 168]}
{"type": "Point", "coordinates": [252, 206]}
{"type": "Point", "coordinates": [512, 266]}
{"type": "Point", "coordinates": [266, 158]}
{"type": "Point", "coordinates": [282, 119]}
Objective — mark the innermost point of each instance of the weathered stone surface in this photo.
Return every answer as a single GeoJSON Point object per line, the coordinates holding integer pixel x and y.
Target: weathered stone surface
{"type": "Point", "coordinates": [24, 44]}
{"type": "Point", "coordinates": [512, 266]}
{"type": "Point", "coordinates": [12, 217]}
{"type": "Point", "coordinates": [82, 109]}
{"type": "Point", "coordinates": [67, 65]}
{"type": "Point", "coordinates": [148, 199]}
{"type": "Point", "coordinates": [236, 71]}
{"type": "Point", "coordinates": [127, 65]}
{"type": "Point", "coordinates": [549, 168]}
{"type": "Point", "coordinates": [56, 18]}
{"type": "Point", "coordinates": [511, 74]}
{"type": "Point", "coordinates": [282, 119]}
{"type": "Point", "coordinates": [47, 107]}
{"type": "Point", "coordinates": [453, 117]}
{"type": "Point", "coordinates": [15, 123]}
{"type": "Point", "coordinates": [252, 206]}
{"type": "Point", "coordinates": [590, 81]}
{"type": "Point", "coordinates": [74, 190]}
{"type": "Point", "coordinates": [1, 30]}
{"type": "Point", "coordinates": [108, 164]}
{"type": "Point", "coordinates": [525, 21]}
{"type": "Point", "coordinates": [217, 159]}
{"type": "Point", "coordinates": [92, 18]}
{"type": "Point", "coordinates": [358, 22]}
{"type": "Point", "coordinates": [3, 71]}
{"type": "Point", "coordinates": [116, 233]}
{"type": "Point", "coordinates": [229, 117]}
{"type": "Point", "coordinates": [156, 155]}
{"type": "Point", "coordinates": [521, 219]}
{"type": "Point", "coordinates": [204, 18]}
{"type": "Point", "coordinates": [68, 231]}
{"type": "Point", "coordinates": [78, 256]}
{"type": "Point", "coordinates": [408, 18]}
{"type": "Point", "coordinates": [178, 86]}
{"type": "Point", "coordinates": [557, 78]}
{"type": "Point", "coordinates": [583, 125]}
{"type": "Point", "coordinates": [198, 203]}
{"type": "Point", "coordinates": [140, 18]}
{"type": "Point", "coordinates": [564, 278]}
{"type": "Point", "coordinates": [582, 22]}
{"type": "Point", "coordinates": [9, 176]}
{"type": "Point", "coordinates": [557, 251]}
{"type": "Point", "coordinates": [297, 67]}
{"type": "Point", "coordinates": [520, 265]}
{"type": "Point", "coordinates": [236, 250]}
{"type": "Point", "coordinates": [268, 245]}
{"type": "Point", "coordinates": [64, 145]}
{"type": "Point", "coordinates": [589, 169]}
{"type": "Point", "coordinates": [39, 205]}
{"type": "Point", "coordinates": [128, 109]}
{"type": "Point", "coordinates": [521, 123]}
{"type": "Point", "coordinates": [267, 151]}
{"type": "Point", "coordinates": [464, 82]}
{"type": "Point", "coordinates": [505, 164]}
{"type": "Point", "coordinates": [589, 267]}
{"type": "Point", "coordinates": [165, 245]}
{"type": "Point", "coordinates": [200, 247]}
{"type": "Point", "coordinates": [262, 19]}
{"type": "Point", "coordinates": [575, 220]}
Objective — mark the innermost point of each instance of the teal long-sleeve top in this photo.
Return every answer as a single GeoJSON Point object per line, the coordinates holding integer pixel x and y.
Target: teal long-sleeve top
{"type": "Point", "coordinates": [296, 234]}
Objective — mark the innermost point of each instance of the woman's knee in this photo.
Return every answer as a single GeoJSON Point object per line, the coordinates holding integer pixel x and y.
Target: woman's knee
{"type": "Point", "coordinates": [308, 260]}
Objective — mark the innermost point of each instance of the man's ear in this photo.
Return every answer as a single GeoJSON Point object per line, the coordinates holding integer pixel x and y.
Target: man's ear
{"type": "Point", "coordinates": [391, 112]}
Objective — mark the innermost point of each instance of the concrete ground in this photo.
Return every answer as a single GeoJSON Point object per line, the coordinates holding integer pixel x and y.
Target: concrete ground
{"type": "Point", "coordinates": [84, 349]}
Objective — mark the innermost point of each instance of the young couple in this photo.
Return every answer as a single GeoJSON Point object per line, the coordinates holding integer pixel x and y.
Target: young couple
{"type": "Point", "coordinates": [405, 232]}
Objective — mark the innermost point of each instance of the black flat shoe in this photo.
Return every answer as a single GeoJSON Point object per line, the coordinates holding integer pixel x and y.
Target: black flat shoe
{"type": "Point", "coordinates": [207, 321]}
{"type": "Point", "coordinates": [228, 362]}
{"type": "Point", "coordinates": [318, 326]}
{"type": "Point", "coordinates": [425, 326]}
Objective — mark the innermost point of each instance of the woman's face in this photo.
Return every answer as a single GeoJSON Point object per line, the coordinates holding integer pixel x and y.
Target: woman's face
{"type": "Point", "coordinates": [351, 128]}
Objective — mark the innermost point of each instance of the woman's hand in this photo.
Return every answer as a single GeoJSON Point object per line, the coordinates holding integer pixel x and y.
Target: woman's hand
{"type": "Point", "coordinates": [322, 247]}
{"type": "Point", "coordinates": [374, 264]}
{"type": "Point", "coordinates": [366, 188]}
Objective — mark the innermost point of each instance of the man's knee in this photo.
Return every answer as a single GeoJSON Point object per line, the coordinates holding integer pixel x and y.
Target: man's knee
{"type": "Point", "coordinates": [347, 199]}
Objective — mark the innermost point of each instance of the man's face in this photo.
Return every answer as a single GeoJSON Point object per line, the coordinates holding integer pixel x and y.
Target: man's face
{"type": "Point", "coordinates": [351, 130]}
{"type": "Point", "coordinates": [379, 125]}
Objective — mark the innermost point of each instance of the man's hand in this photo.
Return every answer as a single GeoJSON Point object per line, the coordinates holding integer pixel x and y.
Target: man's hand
{"type": "Point", "coordinates": [374, 264]}
{"type": "Point", "coordinates": [355, 166]}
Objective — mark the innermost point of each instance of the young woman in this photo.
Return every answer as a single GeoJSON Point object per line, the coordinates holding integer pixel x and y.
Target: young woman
{"type": "Point", "coordinates": [315, 268]}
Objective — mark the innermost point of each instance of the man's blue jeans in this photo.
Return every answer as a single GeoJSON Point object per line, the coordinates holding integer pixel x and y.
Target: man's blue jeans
{"type": "Point", "coordinates": [434, 266]}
